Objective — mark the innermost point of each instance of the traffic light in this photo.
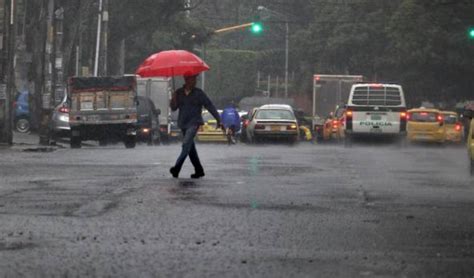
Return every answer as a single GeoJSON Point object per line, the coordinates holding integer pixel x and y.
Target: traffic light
{"type": "Point", "coordinates": [256, 28]}
{"type": "Point", "coordinates": [470, 33]}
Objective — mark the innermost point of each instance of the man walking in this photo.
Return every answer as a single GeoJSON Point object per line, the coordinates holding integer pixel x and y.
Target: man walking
{"type": "Point", "coordinates": [190, 100]}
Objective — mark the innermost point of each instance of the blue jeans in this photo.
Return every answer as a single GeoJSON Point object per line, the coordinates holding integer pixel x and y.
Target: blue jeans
{"type": "Point", "coordinates": [189, 148]}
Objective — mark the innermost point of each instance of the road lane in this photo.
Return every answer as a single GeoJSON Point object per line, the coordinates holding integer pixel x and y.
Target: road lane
{"type": "Point", "coordinates": [267, 210]}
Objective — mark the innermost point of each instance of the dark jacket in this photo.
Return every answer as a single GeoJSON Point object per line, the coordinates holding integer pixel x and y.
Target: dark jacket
{"type": "Point", "coordinates": [190, 107]}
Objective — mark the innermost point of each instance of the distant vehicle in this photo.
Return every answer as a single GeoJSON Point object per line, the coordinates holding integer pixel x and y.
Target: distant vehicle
{"type": "Point", "coordinates": [331, 90]}
{"type": "Point", "coordinates": [334, 125]}
{"type": "Point", "coordinates": [22, 112]}
{"type": "Point", "coordinates": [60, 127]}
{"type": "Point", "coordinates": [375, 110]}
{"type": "Point", "coordinates": [469, 114]}
{"type": "Point", "coordinates": [103, 109]}
{"type": "Point", "coordinates": [318, 128]}
{"type": "Point", "coordinates": [174, 132]}
{"type": "Point", "coordinates": [209, 132]}
{"type": "Point", "coordinates": [245, 122]}
{"type": "Point", "coordinates": [148, 125]}
{"type": "Point", "coordinates": [454, 128]}
{"type": "Point", "coordinates": [426, 125]}
{"type": "Point", "coordinates": [159, 90]}
{"type": "Point", "coordinates": [273, 121]}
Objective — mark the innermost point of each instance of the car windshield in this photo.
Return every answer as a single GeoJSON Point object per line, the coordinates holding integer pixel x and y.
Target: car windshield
{"type": "Point", "coordinates": [450, 119]}
{"type": "Point", "coordinates": [274, 114]}
{"type": "Point", "coordinates": [423, 117]}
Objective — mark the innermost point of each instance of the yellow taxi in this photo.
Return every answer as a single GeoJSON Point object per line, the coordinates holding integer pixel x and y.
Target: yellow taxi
{"type": "Point", "coordinates": [426, 125]}
{"type": "Point", "coordinates": [454, 128]}
{"type": "Point", "coordinates": [209, 132]}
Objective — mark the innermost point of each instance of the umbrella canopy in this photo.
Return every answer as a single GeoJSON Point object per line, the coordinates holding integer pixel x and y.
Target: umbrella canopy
{"type": "Point", "coordinates": [172, 63]}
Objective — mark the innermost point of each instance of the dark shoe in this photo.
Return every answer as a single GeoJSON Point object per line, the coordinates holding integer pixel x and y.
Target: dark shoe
{"type": "Point", "coordinates": [197, 175]}
{"type": "Point", "coordinates": [174, 172]}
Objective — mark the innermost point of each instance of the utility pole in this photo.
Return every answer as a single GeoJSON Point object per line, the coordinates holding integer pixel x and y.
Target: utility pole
{"type": "Point", "coordinates": [49, 74]}
{"type": "Point", "coordinates": [105, 38]}
{"type": "Point", "coordinates": [99, 32]}
{"type": "Point", "coordinates": [7, 90]}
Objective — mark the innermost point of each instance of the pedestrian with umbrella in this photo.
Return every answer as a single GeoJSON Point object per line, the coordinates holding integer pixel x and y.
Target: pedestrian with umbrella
{"type": "Point", "coordinates": [188, 99]}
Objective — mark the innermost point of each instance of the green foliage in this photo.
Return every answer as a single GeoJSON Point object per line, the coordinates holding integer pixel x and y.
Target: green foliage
{"type": "Point", "coordinates": [233, 74]}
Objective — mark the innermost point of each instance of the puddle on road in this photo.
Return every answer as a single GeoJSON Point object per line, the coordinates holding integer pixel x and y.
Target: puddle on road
{"type": "Point", "coordinates": [15, 245]}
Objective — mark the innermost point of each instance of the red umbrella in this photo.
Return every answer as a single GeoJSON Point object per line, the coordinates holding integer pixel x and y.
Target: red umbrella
{"type": "Point", "coordinates": [172, 63]}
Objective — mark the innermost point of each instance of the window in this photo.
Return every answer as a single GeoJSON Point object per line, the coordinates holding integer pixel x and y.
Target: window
{"type": "Point", "coordinates": [384, 96]}
{"type": "Point", "coordinates": [426, 117]}
{"type": "Point", "coordinates": [275, 115]}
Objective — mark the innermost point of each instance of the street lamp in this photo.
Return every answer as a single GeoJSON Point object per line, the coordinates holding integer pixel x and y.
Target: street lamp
{"type": "Point", "coordinates": [285, 18]}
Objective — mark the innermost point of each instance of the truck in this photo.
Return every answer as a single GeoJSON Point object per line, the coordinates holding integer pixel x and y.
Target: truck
{"type": "Point", "coordinates": [103, 109]}
{"type": "Point", "coordinates": [159, 90]}
{"type": "Point", "coordinates": [330, 95]}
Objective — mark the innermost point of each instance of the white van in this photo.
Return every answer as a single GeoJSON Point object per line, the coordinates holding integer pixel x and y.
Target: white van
{"type": "Point", "coordinates": [375, 109]}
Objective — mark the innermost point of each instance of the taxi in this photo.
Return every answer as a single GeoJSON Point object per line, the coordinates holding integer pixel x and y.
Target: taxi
{"type": "Point", "coordinates": [425, 125]}
{"type": "Point", "coordinates": [454, 129]}
{"type": "Point", "coordinates": [209, 132]}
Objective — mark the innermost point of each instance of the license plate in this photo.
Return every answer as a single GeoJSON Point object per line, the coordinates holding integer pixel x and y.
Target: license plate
{"type": "Point", "coordinates": [376, 130]}
{"type": "Point", "coordinates": [174, 134]}
{"type": "Point", "coordinates": [276, 128]}
{"type": "Point", "coordinates": [423, 137]}
{"type": "Point", "coordinates": [376, 117]}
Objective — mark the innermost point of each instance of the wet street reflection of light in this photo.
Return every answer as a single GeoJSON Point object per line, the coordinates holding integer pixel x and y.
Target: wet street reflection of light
{"type": "Point", "coordinates": [254, 167]}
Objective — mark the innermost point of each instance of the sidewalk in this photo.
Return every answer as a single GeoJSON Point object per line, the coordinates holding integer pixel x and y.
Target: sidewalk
{"type": "Point", "coordinates": [30, 142]}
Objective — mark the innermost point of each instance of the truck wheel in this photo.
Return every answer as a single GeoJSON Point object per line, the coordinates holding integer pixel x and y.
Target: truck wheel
{"type": "Point", "coordinates": [75, 142]}
{"type": "Point", "coordinates": [130, 142]}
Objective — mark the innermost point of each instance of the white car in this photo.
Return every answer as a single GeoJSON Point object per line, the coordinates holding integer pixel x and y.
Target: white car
{"type": "Point", "coordinates": [374, 110]}
{"type": "Point", "coordinates": [273, 121]}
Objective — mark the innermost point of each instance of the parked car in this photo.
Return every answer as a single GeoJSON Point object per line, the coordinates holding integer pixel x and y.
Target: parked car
{"type": "Point", "coordinates": [426, 125]}
{"type": "Point", "coordinates": [273, 121]}
{"type": "Point", "coordinates": [22, 112]}
{"type": "Point", "coordinates": [209, 132]}
{"type": "Point", "coordinates": [148, 125]}
{"type": "Point", "coordinates": [60, 127]}
{"type": "Point", "coordinates": [454, 128]}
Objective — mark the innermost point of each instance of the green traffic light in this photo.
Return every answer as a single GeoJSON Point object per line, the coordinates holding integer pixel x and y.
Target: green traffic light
{"type": "Point", "coordinates": [256, 28]}
{"type": "Point", "coordinates": [471, 33]}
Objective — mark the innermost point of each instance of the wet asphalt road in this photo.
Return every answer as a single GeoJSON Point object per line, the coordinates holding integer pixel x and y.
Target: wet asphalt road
{"type": "Point", "coordinates": [261, 211]}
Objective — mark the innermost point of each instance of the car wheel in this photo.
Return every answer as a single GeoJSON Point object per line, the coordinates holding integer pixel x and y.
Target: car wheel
{"type": "Point", "coordinates": [75, 142]}
{"type": "Point", "coordinates": [22, 125]}
{"type": "Point", "coordinates": [130, 142]}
